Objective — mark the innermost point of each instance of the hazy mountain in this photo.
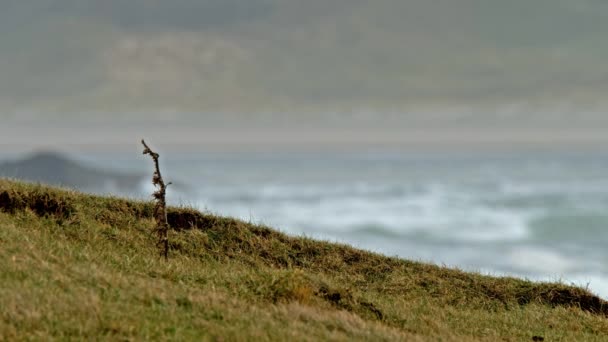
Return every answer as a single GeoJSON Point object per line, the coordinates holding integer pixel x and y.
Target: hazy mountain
{"type": "Point", "coordinates": [68, 57]}
{"type": "Point", "coordinates": [57, 169]}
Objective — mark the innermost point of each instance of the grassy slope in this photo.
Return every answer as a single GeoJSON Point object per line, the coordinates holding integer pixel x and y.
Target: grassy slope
{"type": "Point", "coordinates": [80, 266]}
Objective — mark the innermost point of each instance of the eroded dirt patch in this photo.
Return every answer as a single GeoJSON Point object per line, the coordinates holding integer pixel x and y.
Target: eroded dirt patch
{"type": "Point", "coordinates": [183, 219]}
{"type": "Point", "coordinates": [43, 204]}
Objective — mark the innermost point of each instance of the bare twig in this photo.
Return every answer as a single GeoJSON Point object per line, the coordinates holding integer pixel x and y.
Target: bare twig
{"type": "Point", "coordinates": [160, 208]}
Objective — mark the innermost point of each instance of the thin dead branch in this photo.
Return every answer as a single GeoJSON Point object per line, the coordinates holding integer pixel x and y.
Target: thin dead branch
{"type": "Point", "coordinates": [160, 208]}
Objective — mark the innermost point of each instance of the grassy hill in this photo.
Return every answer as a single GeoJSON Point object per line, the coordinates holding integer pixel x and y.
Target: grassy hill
{"type": "Point", "coordinates": [79, 266]}
{"type": "Point", "coordinates": [257, 55]}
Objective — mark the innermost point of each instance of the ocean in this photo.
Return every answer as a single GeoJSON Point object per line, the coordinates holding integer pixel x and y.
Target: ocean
{"type": "Point", "coordinates": [542, 216]}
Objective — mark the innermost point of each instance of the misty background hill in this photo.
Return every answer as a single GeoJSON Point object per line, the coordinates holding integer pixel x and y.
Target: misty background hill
{"type": "Point", "coordinates": [62, 58]}
{"type": "Point", "coordinates": [55, 168]}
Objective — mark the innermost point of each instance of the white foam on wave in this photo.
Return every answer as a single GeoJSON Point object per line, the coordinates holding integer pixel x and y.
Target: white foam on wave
{"type": "Point", "coordinates": [486, 224]}
{"type": "Point", "coordinates": [541, 260]}
{"type": "Point", "coordinates": [295, 192]}
{"type": "Point", "coordinates": [436, 210]}
{"type": "Point", "coordinates": [543, 187]}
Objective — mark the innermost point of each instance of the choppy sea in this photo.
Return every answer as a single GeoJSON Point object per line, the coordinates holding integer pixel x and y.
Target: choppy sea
{"type": "Point", "coordinates": [542, 216]}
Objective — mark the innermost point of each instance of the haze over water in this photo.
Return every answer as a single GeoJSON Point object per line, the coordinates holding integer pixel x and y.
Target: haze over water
{"type": "Point", "coordinates": [533, 215]}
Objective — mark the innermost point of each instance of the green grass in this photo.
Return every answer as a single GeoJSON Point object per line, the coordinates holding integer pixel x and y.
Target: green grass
{"type": "Point", "coordinates": [76, 266]}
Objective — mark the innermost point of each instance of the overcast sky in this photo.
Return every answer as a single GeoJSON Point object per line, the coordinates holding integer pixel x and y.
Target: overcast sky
{"type": "Point", "coordinates": [290, 72]}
